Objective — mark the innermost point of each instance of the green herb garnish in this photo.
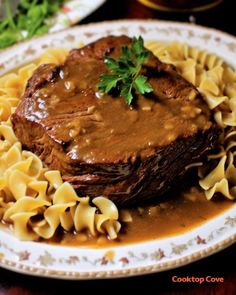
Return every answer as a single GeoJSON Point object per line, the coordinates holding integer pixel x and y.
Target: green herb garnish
{"type": "Point", "coordinates": [31, 19]}
{"type": "Point", "coordinates": [125, 71]}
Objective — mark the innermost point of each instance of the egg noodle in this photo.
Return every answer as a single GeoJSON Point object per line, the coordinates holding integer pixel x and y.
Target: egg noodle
{"type": "Point", "coordinates": [216, 81]}
{"type": "Point", "coordinates": [36, 200]}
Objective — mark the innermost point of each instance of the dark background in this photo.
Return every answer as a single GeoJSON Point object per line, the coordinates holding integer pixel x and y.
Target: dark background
{"type": "Point", "coordinates": [222, 264]}
{"type": "Point", "coordinates": [222, 17]}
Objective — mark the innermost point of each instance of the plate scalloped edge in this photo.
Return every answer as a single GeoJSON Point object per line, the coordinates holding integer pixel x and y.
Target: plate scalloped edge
{"type": "Point", "coordinates": [85, 263]}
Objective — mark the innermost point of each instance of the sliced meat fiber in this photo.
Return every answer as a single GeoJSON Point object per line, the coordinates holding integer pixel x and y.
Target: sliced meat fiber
{"type": "Point", "coordinates": [101, 145]}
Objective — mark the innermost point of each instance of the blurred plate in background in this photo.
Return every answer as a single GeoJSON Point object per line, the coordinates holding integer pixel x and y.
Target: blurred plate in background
{"type": "Point", "coordinates": [73, 12]}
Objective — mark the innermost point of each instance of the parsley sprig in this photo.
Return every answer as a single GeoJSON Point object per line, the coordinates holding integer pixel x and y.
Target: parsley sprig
{"type": "Point", "coordinates": [31, 19]}
{"type": "Point", "coordinates": [125, 72]}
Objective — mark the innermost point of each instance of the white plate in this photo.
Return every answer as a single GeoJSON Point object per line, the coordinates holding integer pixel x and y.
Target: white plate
{"type": "Point", "coordinates": [154, 256]}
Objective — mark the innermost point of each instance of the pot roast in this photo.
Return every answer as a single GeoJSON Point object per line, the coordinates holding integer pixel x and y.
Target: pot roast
{"type": "Point", "coordinates": [103, 146]}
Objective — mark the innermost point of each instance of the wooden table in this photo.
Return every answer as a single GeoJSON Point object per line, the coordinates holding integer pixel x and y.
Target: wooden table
{"type": "Point", "coordinates": [219, 265]}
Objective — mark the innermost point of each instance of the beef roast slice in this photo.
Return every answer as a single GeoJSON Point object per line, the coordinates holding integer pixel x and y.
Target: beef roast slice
{"type": "Point", "coordinates": [100, 144]}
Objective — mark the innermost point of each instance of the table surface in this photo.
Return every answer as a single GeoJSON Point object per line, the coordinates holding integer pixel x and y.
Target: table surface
{"type": "Point", "coordinates": [218, 265]}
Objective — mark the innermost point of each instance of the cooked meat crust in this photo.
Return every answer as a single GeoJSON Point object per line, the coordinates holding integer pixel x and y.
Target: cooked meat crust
{"type": "Point", "coordinates": [100, 144]}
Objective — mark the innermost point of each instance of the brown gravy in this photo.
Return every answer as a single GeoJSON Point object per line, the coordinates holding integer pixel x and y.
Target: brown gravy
{"type": "Point", "coordinates": [176, 215]}
{"type": "Point", "coordinates": [104, 129]}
